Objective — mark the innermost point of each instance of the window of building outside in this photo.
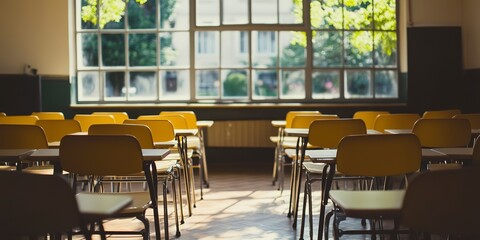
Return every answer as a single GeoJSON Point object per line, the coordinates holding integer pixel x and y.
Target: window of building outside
{"type": "Point", "coordinates": [156, 51]}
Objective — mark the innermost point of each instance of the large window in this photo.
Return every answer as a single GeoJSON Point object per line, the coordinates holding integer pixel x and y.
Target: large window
{"type": "Point", "coordinates": [235, 50]}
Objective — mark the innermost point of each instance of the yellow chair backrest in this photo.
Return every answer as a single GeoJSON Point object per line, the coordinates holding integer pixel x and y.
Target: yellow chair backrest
{"type": "Point", "coordinates": [474, 119]}
{"type": "Point", "coordinates": [101, 155]}
{"type": "Point", "coordinates": [291, 115]}
{"type": "Point", "coordinates": [178, 121]}
{"type": "Point", "coordinates": [304, 120]}
{"type": "Point", "coordinates": [368, 117]}
{"type": "Point", "coordinates": [427, 195]}
{"type": "Point", "coordinates": [86, 120]}
{"type": "Point", "coordinates": [327, 133]}
{"type": "Point", "coordinates": [118, 116]}
{"type": "Point", "coordinates": [2, 114]}
{"type": "Point", "coordinates": [162, 130]}
{"type": "Point", "coordinates": [189, 116]}
{"type": "Point", "coordinates": [49, 115]}
{"type": "Point", "coordinates": [139, 131]}
{"type": "Point", "coordinates": [447, 132]}
{"type": "Point", "coordinates": [22, 136]}
{"type": "Point", "coordinates": [379, 154]}
{"type": "Point", "coordinates": [395, 121]}
{"type": "Point", "coordinates": [449, 113]}
{"type": "Point", "coordinates": [20, 119]}
{"type": "Point", "coordinates": [56, 129]}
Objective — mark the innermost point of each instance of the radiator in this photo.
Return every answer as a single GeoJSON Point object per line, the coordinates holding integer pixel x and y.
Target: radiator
{"type": "Point", "coordinates": [248, 133]}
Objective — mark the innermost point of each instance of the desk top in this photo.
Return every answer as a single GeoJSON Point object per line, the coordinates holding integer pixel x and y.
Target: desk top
{"type": "Point", "coordinates": [205, 123]}
{"type": "Point", "coordinates": [303, 132]}
{"type": "Point", "coordinates": [53, 154]}
{"type": "Point", "coordinates": [460, 152]}
{"type": "Point", "coordinates": [14, 155]}
{"type": "Point", "coordinates": [95, 205]}
{"type": "Point", "coordinates": [279, 123]}
{"type": "Point", "coordinates": [186, 132]}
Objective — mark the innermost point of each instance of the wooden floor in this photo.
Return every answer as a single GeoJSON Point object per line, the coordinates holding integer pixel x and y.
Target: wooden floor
{"type": "Point", "coordinates": [238, 205]}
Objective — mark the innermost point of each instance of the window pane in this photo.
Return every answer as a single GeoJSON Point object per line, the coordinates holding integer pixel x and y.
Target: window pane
{"type": "Point", "coordinates": [386, 84]}
{"type": "Point", "coordinates": [115, 88]}
{"type": "Point", "coordinates": [143, 86]}
{"type": "Point", "coordinates": [174, 49]}
{"type": "Point", "coordinates": [264, 11]}
{"type": "Point", "coordinates": [358, 14]}
{"type": "Point", "coordinates": [326, 14]}
{"type": "Point", "coordinates": [88, 86]}
{"type": "Point", "coordinates": [290, 12]}
{"type": "Point", "coordinates": [235, 12]}
{"type": "Point", "coordinates": [358, 49]}
{"type": "Point", "coordinates": [385, 15]}
{"type": "Point", "coordinates": [142, 15]}
{"type": "Point", "coordinates": [113, 49]}
{"type": "Point", "coordinates": [293, 84]}
{"type": "Point", "coordinates": [88, 52]}
{"type": "Point", "coordinates": [358, 84]}
{"type": "Point", "coordinates": [207, 49]}
{"type": "Point", "coordinates": [175, 85]}
{"type": "Point", "coordinates": [207, 83]}
{"type": "Point", "coordinates": [292, 47]}
{"type": "Point", "coordinates": [174, 14]}
{"type": "Point", "coordinates": [264, 50]}
{"type": "Point", "coordinates": [385, 49]}
{"type": "Point", "coordinates": [143, 51]}
{"type": "Point", "coordinates": [208, 12]}
{"type": "Point", "coordinates": [327, 49]}
{"type": "Point", "coordinates": [265, 84]}
{"type": "Point", "coordinates": [234, 49]}
{"type": "Point", "coordinates": [326, 84]}
{"type": "Point", "coordinates": [235, 83]}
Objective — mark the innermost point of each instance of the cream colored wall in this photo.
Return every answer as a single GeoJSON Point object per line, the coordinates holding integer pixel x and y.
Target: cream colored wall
{"type": "Point", "coordinates": [34, 32]}
{"type": "Point", "coordinates": [471, 34]}
{"type": "Point", "coordinates": [436, 12]}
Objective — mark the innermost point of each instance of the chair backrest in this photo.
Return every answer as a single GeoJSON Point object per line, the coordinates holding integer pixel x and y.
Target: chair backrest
{"type": "Point", "coordinates": [101, 155]}
{"type": "Point", "coordinates": [189, 116]}
{"type": "Point", "coordinates": [327, 133]}
{"type": "Point", "coordinates": [395, 121]}
{"type": "Point", "coordinates": [474, 119]}
{"type": "Point", "coordinates": [379, 154]}
{"type": "Point", "coordinates": [118, 116]}
{"type": "Point", "coordinates": [19, 119]}
{"type": "Point", "coordinates": [56, 129]}
{"type": "Point", "coordinates": [304, 120]}
{"type": "Point", "coordinates": [443, 202]}
{"type": "Point", "coordinates": [49, 115]}
{"type": "Point", "coordinates": [447, 132]}
{"type": "Point", "coordinates": [449, 113]}
{"type": "Point", "coordinates": [291, 115]}
{"type": "Point", "coordinates": [368, 117]}
{"type": "Point", "coordinates": [178, 121]}
{"type": "Point", "coordinates": [86, 120]}
{"type": "Point", "coordinates": [33, 204]}
{"type": "Point", "coordinates": [141, 132]}
{"type": "Point", "coordinates": [19, 136]}
{"type": "Point", "coordinates": [162, 130]}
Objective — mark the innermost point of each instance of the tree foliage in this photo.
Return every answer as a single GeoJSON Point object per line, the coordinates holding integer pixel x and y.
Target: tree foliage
{"type": "Point", "coordinates": [110, 11]}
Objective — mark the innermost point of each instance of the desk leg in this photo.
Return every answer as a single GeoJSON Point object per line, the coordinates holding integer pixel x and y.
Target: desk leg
{"type": "Point", "coordinates": [150, 170]}
{"type": "Point", "coordinates": [299, 183]}
{"type": "Point", "coordinates": [186, 169]}
{"type": "Point", "coordinates": [204, 159]}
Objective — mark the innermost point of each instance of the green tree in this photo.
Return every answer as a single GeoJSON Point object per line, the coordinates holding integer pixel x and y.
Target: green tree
{"type": "Point", "coordinates": [110, 11]}
{"type": "Point", "coordinates": [235, 85]}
